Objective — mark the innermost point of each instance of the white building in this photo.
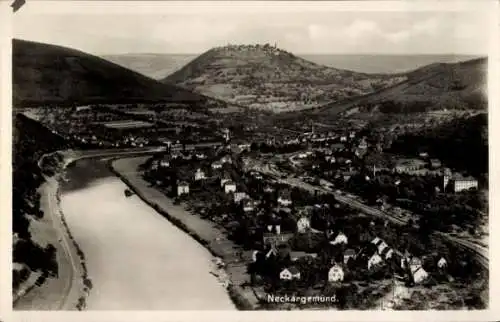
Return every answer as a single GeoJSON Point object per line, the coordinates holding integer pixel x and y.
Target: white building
{"type": "Point", "coordinates": [415, 262]}
{"type": "Point", "coordinates": [419, 274]}
{"type": "Point", "coordinates": [303, 224]}
{"type": "Point", "coordinates": [374, 261]}
{"type": "Point", "coordinates": [417, 271]}
{"type": "Point", "coordinates": [165, 163]}
{"type": "Point", "coordinates": [216, 165]}
{"type": "Point", "coordinates": [458, 183]}
{"type": "Point", "coordinates": [442, 263]}
{"type": "Point", "coordinates": [290, 273]}
{"type": "Point", "coordinates": [199, 175]}
{"type": "Point", "coordinates": [464, 184]}
{"type": "Point", "coordinates": [182, 188]}
{"type": "Point", "coordinates": [229, 187]}
{"type": "Point", "coordinates": [381, 246]}
{"type": "Point", "coordinates": [340, 239]}
{"type": "Point", "coordinates": [335, 274]}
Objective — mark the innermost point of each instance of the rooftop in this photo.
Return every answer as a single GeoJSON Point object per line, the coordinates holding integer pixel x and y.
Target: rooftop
{"type": "Point", "coordinates": [293, 270]}
{"type": "Point", "coordinates": [409, 162]}
{"type": "Point", "coordinates": [460, 177]}
{"type": "Point", "coordinates": [127, 124]}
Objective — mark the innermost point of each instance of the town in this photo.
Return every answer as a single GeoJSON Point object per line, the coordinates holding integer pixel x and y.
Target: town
{"type": "Point", "coordinates": [328, 211]}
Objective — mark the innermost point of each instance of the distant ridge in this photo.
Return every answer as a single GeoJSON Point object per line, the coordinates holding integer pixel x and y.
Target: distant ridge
{"type": "Point", "coordinates": [48, 74]}
{"type": "Point", "coordinates": [152, 65]}
{"type": "Point", "coordinates": [438, 86]}
{"type": "Point", "coordinates": [383, 63]}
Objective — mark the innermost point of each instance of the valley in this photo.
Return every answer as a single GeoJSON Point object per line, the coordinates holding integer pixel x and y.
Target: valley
{"type": "Point", "coordinates": [287, 171]}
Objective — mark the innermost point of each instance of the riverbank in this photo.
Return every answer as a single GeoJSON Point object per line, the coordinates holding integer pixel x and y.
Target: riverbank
{"type": "Point", "coordinates": [203, 231]}
{"type": "Point", "coordinates": [66, 290]}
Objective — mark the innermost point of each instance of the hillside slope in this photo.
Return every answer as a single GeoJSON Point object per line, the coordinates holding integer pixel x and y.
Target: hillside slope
{"type": "Point", "coordinates": [262, 76]}
{"type": "Point", "coordinates": [49, 74]}
{"type": "Point", "coordinates": [441, 86]}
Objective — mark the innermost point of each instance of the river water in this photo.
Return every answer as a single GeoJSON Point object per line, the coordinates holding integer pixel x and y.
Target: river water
{"type": "Point", "coordinates": [136, 259]}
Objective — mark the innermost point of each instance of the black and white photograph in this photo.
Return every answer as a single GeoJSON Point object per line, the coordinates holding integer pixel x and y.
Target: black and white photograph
{"type": "Point", "coordinates": [264, 156]}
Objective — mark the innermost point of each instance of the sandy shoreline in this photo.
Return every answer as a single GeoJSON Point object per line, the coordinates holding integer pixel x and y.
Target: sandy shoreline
{"type": "Point", "coordinates": [203, 231]}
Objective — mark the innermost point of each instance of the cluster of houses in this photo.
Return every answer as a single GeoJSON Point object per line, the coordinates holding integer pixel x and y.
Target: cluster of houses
{"type": "Point", "coordinates": [343, 156]}
{"type": "Point", "coordinates": [200, 174]}
{"type": "Point", "coordinates": [276, 244]}
{"type": "Point", "coordinates": [276, 241]}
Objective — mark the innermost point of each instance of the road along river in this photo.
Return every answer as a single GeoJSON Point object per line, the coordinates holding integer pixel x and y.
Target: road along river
{"type": "Point", "coordinates": [136, 259]}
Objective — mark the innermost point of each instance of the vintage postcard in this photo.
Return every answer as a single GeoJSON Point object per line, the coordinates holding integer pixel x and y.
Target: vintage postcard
{"type": "Point", "coordinates": [191, 159]}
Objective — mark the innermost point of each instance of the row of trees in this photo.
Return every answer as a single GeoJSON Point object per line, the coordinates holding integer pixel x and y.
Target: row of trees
{"type": "Point", "coordinates": [30, 141]}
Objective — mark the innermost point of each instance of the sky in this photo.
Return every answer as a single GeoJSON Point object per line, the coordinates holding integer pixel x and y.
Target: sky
{"type": "Point", "coordinates": [323, 28]}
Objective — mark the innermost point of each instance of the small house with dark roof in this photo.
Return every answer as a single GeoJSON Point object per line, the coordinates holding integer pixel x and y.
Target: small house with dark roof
{"type": "Point", "coordinates": [442, 263]}
{"type": "Point", "coordinates": [335, 274]}
{"type": "Point", "coordinates": [165, 161]}
{"type": "Point", "coordinates": [374, 261]}
{"type": "Point", "coordinates": [348, 254]}
{"type": "Point", "coordinates": [290, 273]}
{"type": "Point", "coordinates": [284, 198]}
{"type": "Point", "coordinates": [274, 238]}
{"type": "Point", "coordinates": [226, 177]}
{"type": "Point", "coordinates": [229, 187]}
{"type": "Point", "coordinates": [182, 188]}
{"type": "Point", "coordinates": [216, 165]}
{"type": "Point", "coordinates": [303, 224]}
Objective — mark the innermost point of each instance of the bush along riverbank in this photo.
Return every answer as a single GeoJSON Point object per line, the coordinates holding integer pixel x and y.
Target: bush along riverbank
{"type": "Point", "coordinates": [87, 283]}
{"type": "Point", "coordinates": [242, 299]}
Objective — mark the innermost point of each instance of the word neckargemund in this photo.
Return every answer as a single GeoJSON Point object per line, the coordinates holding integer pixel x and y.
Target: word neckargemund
{"type": "Point", "coordinates": [300, 299]}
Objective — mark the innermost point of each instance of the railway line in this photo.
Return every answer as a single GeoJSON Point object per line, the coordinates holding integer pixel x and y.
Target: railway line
{"type": "Point", "coordinates": [480, 253]}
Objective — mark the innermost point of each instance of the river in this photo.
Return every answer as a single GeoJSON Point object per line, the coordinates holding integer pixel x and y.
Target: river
{"type": "Point", "coordinates": [136, 259]}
